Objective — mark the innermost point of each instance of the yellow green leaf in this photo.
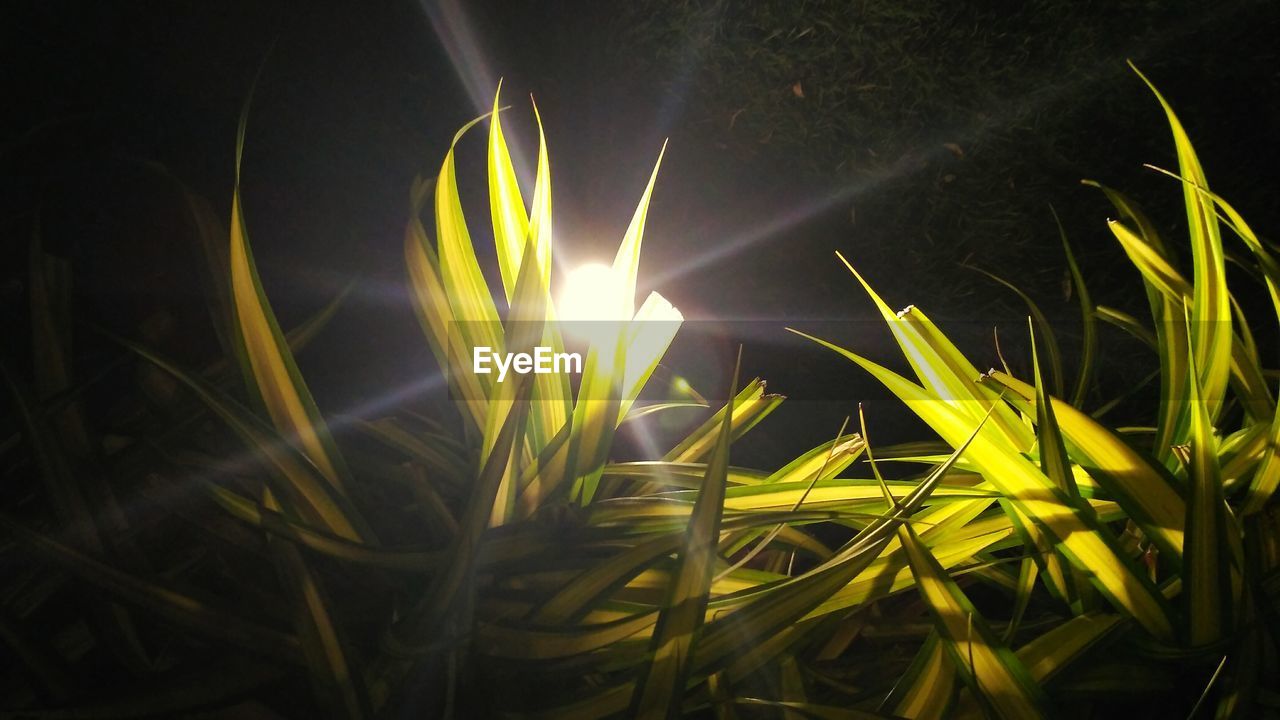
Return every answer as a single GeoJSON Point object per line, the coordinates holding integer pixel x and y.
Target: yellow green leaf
{"type": "Point", "coordinates": [992, 671]}
{"type": "Point", "coordinates": [1087, 544]}
{"type": "Point", "coordinates": [1210, 305]}
{"type": "Point", "coordinates": [270, 371]}
{"type": "Point", "coordinates": [660, 689]}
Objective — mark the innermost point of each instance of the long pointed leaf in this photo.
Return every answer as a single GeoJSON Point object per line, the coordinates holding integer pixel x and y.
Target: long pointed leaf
{"type": "Point", "coordinates": [660, 689]}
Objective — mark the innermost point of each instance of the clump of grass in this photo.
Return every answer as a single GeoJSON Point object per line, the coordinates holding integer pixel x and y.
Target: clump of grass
{"type": "Point", "coordinates": [1171, 536]}
{"type": "Point", "coordinates": [244, 545]}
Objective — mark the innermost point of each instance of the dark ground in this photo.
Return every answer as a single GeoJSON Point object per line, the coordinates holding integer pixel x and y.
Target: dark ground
{"type": "Point", "coordinates": [910, 139]}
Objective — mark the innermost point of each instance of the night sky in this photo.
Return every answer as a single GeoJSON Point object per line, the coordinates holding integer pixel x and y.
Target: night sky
{"type": "Point", "coordinates": [109, 105]}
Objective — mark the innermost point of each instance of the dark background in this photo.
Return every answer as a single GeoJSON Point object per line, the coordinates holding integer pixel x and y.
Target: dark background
{"type": "Point", "coordinates": [913, 138]}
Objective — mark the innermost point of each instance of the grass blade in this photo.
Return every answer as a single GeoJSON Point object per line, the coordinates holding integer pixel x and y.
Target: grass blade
{"type": "Point", "coordinates": [1211, 334]}
{"type": "Point", "coordinates": [1056, 373]}
{"type": "Point", "coordinates": [270, 372]}
{"type": "Point", "coordinates": [473, 314]}
{"type": "Point", "coordinates": [925, 690]}
{"type": "Point", "coordinates": [1088, 322]}
{"type": "Point", "coordinates": [1206, 567]}
{"type": "Point", "coordinates": [748, 407]}
{"type": "Point", "coordinates": [660, 689]}
{"type": "Point", "coordinates": [990, 669]}
{"type": "Point", "coordinates": [506, 206]}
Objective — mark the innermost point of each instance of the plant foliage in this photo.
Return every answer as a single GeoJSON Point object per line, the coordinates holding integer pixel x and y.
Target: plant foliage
{"type": "Point", "coordinates": [243, 547]}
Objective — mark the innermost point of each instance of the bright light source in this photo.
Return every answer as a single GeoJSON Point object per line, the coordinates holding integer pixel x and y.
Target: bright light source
{"type": "Point", "coordinates": [591, 292]}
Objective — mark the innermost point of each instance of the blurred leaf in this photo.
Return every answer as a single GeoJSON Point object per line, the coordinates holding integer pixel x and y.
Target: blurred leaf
{"type": "Point", "coordinates": [184, 611]}
{"type": "Point", "coordinates": [443, 459]}
{"type": "Point", "coordinates": [811, 710]}
{"type": "Point", "coordinates": [173, 695]}
{"type": "Point", "coordinates": [38, 656]}
{"type": "Point", "coordinates": [75, 514]}
{"type": "Point", "coordinates": [332, 676]}
{"type": "Point", "coordinates": [305, 488]}
{"type": "Point", "coordinates": [575, 597]}
{"type": "Point", "coordinates": [253, 513]}
{"type": "Point", "coordinates": [433, 614]}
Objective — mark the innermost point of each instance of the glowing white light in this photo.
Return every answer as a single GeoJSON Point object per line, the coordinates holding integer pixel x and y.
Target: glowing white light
{"type": "Point", "coordinates": [592, 292]}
